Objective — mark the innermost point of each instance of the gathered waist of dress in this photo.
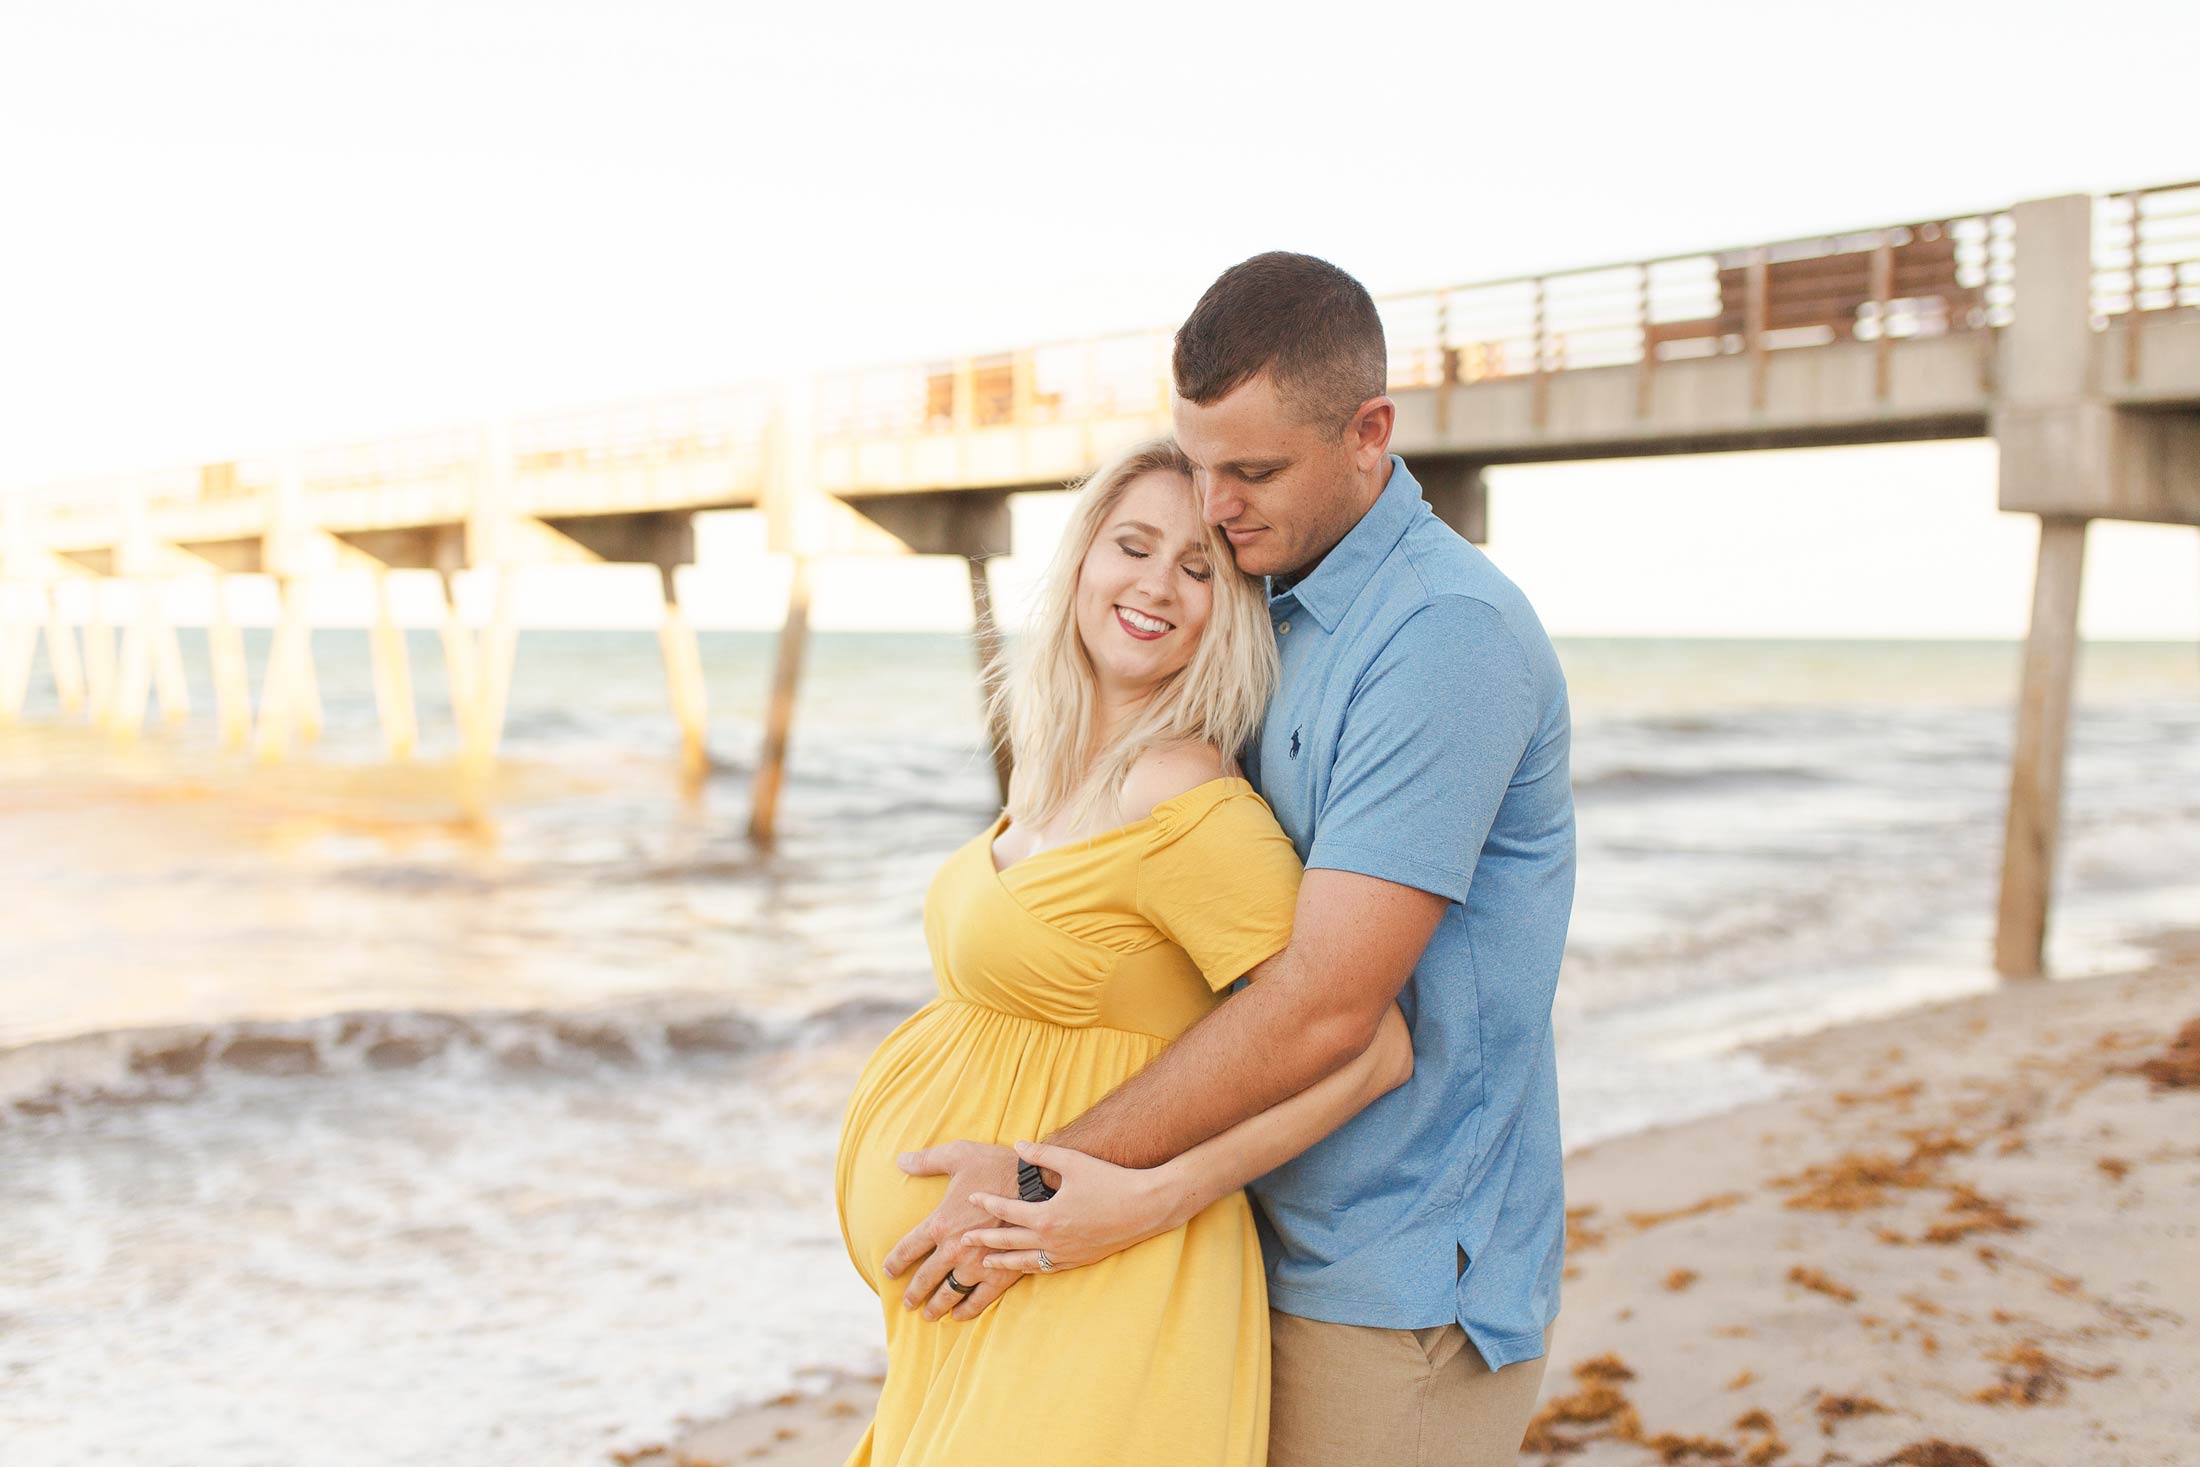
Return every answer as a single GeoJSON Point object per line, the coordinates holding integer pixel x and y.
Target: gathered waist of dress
{"type": "Point", "coordinates": [981, 1009]}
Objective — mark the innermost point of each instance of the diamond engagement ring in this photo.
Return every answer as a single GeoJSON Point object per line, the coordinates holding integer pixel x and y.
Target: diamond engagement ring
{"type": "Point", "coordinates": [1046, 1264]}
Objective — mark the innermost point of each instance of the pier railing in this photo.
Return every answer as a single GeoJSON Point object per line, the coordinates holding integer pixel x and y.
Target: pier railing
{"type": "Point", "coordinates": [1877, 287]}
{"type": "Point", "coordinates": [2146, 261]}
{"type": "Point", "coordinates": [1882, 285]}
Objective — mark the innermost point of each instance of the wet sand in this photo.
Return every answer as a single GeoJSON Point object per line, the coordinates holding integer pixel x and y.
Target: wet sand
{"type": "Point", "coordinates": [1972, 1239]}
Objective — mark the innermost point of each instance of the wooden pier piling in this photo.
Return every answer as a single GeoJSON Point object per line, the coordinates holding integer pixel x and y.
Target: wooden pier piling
{"type": "Point", "coordinates": [232, 681]}
{"type": "Point", "coordinates": [2036, 765]}
{"type": "Point", "coordinates": [134, 665]}
{"type": "Point", "coordinates": [461, 675]}
{"type": "Point", "coordinates": [282, 694]}
{"type": "Point", "coordinates": [18, 650]}
{"type": "Point", "coordinates": [499, 651]}
{"type": "Point", "coordinates": [683, 656]}
{"type": "Point", "coordinates": [771, 768]}
{"type": "Point", "coordinates": [171, 688]}
{"type": "Point", "coordinates": [393, 691]}
{"type": "Point", "coordinates": [99, 663]}
{"type": "Point", "coordinates": [63, 656]}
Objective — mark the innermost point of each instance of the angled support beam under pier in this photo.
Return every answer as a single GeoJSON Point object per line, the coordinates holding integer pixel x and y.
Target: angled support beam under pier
{"type": "Point", "coordinates": [393, 694]}
{"type": "Point", "coordinates": [2036, 766]}
{"type": "Point", "coordinates": [771, 769]}
{"type": "Point", "coordinates": [232, 679]}
{"type": "Point", "coordinates": [289, 699]}
{"type": "Point", "coordinates": [64, 656]}
{"type": "Point", "coordinates": [460, 665]}
{"type": "Point", "coordinates": [18, 650]}
{"type": "Point", "coordinates": [683, 656]}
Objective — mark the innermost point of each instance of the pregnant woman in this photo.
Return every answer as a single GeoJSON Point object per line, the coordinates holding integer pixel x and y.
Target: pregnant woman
{"type": "Point", "coordinates": [1132, 879]}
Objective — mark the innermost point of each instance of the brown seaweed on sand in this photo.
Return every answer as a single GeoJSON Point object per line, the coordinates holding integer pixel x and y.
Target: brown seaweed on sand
{"type": "Point", "coordinates": [1812, 1279]}
{"type": "Point", "coordinates": [1671, 1446]}
{"type": "Point", "coordinates": [1599, 1403]}
{"type": "Point", "coordinates": [2178, 1067]}
{"type": "Point", "coordinates": [1606, 1367]}
{"type": "Point", "coordinates": [1694, 1209]}
{"type": "Point", "coordinates": [1968, 1212]}
{"type": "Point", "coordinates": [1852, 1182]}
{"type": "Point", "coordinates": [2032, 1377]}
{"type": "Point", "coordinates": [1595, 1404]}
{"type": "Point", "coordinates": [1770, 1447]}
{"type": "Point", "coordinates": [1579, 1234]}
{"type": "Point", "coordinates": [1935, 1454]}
{"type": "Point", "coordinates": [1832, 1408]}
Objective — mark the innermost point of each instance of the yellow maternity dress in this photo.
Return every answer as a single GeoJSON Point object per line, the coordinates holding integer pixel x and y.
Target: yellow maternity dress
{"type": "Point", "coordinates": [1058, 979]}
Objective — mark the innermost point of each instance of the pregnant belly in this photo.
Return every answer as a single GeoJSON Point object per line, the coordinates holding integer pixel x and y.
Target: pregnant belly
{"type": "Point", "coordinates": [959, 1071]}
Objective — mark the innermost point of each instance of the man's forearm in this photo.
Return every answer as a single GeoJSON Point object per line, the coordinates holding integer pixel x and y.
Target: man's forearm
{"type": "Point", "coordinates": [1262, 1047]}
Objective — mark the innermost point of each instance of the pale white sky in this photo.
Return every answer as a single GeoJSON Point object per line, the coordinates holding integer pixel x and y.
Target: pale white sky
{"type": "Point", "coordinates": [240, 224]}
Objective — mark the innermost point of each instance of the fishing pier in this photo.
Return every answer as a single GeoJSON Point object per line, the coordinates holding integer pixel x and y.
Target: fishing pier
{"type": "Point", "coordinates": [2065, 329]}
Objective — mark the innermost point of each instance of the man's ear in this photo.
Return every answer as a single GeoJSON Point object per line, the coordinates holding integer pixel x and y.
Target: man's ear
{"type": "Point", "coordinates": [1369, 433]}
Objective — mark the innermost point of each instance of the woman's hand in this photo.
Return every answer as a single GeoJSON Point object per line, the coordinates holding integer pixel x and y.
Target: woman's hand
{"type": "Point", "coordinates": [1098, 1210]}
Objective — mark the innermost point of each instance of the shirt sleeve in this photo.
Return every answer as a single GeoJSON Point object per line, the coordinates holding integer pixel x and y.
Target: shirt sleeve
{"type": "Point", "coordinates": [1221, 881]}
{"type": "Point", "coordinates": [1435, 730]}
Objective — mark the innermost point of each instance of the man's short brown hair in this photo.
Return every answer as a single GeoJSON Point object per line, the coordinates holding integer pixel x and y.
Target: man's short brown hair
{"type": "Point", "coordinates": [1310, 325]}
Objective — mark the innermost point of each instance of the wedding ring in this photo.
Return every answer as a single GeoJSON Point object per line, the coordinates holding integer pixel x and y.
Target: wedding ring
{"type": "Point", "coordinates": [958, 1285]}
{"type": "Point", "coordinates": [1046, 1264]}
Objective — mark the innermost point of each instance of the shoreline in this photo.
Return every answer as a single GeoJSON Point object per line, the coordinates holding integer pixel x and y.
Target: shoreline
{"type": "Point", "coordinates": [1966, 1239]}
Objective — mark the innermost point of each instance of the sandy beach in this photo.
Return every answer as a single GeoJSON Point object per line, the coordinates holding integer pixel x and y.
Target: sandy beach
{"type": "Point", "coordinates": [1970, 1238]}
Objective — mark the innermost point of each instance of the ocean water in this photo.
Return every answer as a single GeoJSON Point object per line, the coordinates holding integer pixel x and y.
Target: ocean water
{"type": "Point", "coordinates": [349, 1115]}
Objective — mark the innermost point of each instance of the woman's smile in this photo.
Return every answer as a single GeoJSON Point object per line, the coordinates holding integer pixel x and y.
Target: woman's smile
{"type": "Point", "coordinates": [1145, 628]}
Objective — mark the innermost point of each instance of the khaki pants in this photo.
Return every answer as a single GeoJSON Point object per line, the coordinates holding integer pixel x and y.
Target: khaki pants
{"type": "Point", "coordinates": [1345, 1395]}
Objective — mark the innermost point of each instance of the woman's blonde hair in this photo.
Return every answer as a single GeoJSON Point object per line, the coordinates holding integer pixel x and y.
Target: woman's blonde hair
{"type": "Point", "coordinates": [1048, 700]}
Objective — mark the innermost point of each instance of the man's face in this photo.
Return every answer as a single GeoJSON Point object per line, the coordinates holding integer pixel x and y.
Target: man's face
{"type": "Point", "coordinates": [1283, 490]}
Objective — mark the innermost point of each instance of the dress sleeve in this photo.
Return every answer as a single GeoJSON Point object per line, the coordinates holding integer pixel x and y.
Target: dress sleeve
{"type": "Point", "coordinates": [1220, 880]}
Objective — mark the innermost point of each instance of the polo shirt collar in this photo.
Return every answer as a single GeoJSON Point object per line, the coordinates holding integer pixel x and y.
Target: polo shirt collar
{"type": "Point", "coordinates": [1328, 591]}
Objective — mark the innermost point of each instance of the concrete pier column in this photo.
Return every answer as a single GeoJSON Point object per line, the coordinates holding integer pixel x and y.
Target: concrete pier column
{"type": "Point", "coordinates": [393, 692]}
{"type": "Point", "coordinates": [461, 671]}
{"type": "Point", "coordinates": [684, 679]}
{"type": "Point", "coordinates": [232, 682]}
{"type": "Point", "coordinates": [2036, 767]}
{"type": "Point", "coordinates": [2051, 432]}
{"type": "Point", "coordinates": [99, 661]}
{"type": "Point", "coordinates": [18, 649]}
{"type": "Point", "coordinates": [986, 634]}
{"type": "Point", "coordinates": [62, 654]}
{"type": "Point", "coordinates": [307, 678]}
{"type": "Point", "coordinates": [133, 664]}
{"type": "Point", "coordinates": [499, 650]}
{"type": "Point", "coordinates": [794, 636]}
{"type": "Point", "coordinates": [170, 686]}
{"type": "Point", "coordinates": [281, 692]}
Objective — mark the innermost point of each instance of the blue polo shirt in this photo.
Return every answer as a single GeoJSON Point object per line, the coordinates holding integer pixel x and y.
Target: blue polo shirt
{"type": "Point", "coordinates": [1420, 735]}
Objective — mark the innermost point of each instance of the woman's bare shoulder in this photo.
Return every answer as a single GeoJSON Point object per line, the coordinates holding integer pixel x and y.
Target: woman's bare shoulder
{"type": "Point", "coordinates": [1161, 774]}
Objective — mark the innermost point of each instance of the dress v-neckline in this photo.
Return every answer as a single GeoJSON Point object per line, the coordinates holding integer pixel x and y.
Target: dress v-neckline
{"type": "Point", "coordinates": [1000, 824]}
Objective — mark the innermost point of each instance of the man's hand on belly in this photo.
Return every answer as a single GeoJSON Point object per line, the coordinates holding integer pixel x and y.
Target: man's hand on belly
{"type": "Point", "coordinates": [935, 1245]}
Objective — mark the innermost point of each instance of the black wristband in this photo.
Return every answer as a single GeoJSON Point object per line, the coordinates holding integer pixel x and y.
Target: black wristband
{"type": "Point", "coordinates": [1030, 1184]}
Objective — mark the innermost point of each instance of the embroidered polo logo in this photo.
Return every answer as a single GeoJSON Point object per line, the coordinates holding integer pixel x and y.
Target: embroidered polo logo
{"type": "Point", "coordinates": [1294, 743]}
